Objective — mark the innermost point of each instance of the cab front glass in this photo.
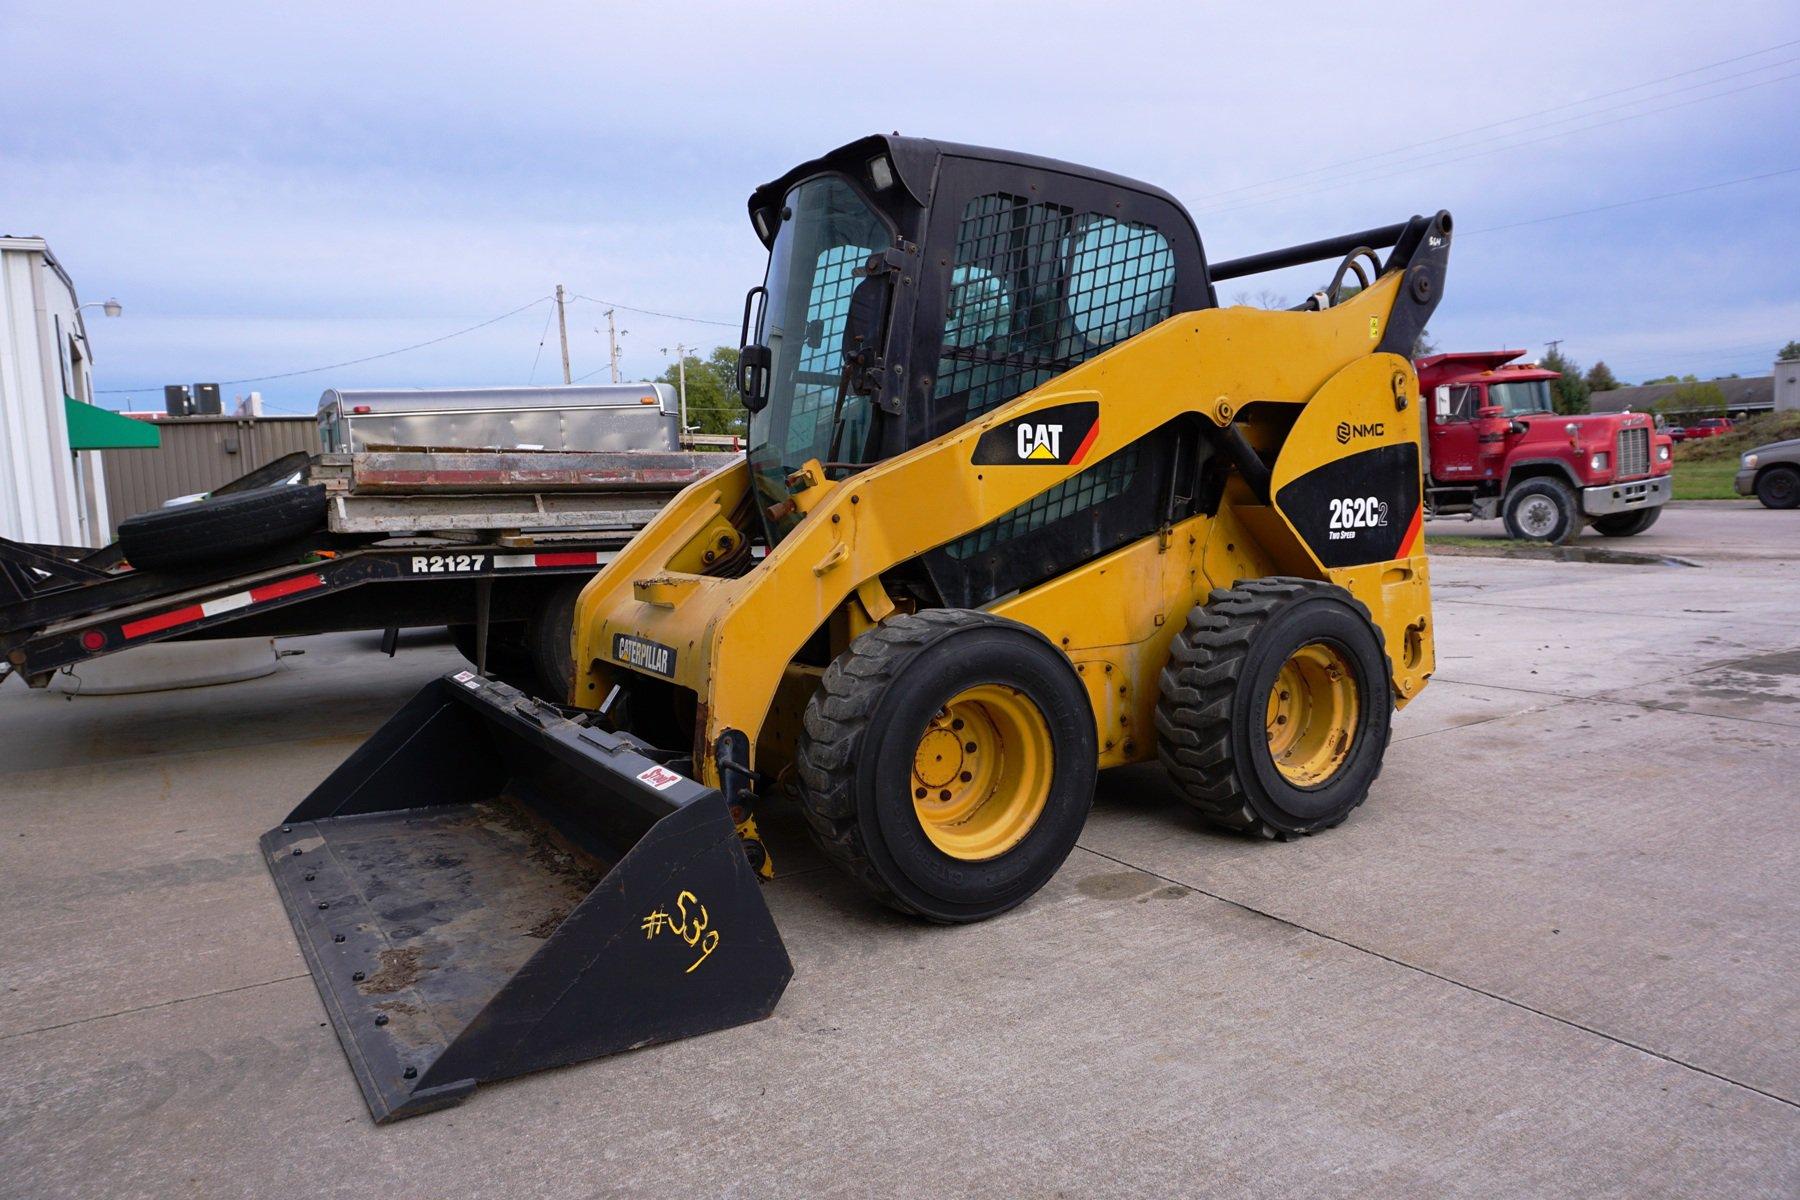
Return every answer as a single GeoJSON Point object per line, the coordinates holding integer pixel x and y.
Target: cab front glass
{"type": "Point", "coordinates": [827, 232]}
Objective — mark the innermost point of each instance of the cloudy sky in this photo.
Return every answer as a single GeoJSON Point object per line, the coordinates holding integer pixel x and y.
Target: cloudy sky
{"type": "Point", "coordinates": [273, 191]}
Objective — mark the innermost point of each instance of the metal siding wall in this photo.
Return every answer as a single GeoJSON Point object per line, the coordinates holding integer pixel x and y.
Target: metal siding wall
{"type": "Point", "coordinates": [194, 458]}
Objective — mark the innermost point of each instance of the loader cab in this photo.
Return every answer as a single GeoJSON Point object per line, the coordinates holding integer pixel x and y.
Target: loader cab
{"type": "Point", "coordinates": [914, 286]}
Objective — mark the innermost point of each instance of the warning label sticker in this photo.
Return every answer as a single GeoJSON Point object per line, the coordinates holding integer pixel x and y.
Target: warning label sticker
{"type": "Point", "coordinates": [660, 778]}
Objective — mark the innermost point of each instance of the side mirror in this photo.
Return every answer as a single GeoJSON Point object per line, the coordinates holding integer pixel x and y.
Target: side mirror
{"type": "Point", "coordinates": [1442, 400]}
{"type": "Point", "coordinates": [753, 377]}
{"type": "Point", "coordinates": [753, 357]}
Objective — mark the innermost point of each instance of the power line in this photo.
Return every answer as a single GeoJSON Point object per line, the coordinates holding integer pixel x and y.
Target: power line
{"type": "Point", "coordinates": [542, 338]}
{"type": "Point", "coordinates": [653, 313]}
{"type": "Point", "coordinates": [1582, 212]}
{"type": "Point", "coordinates": [1427, 161]}
{"type": "Point", "coordinates": [348, 362]}
{"type": "Point", "coordinates": [1448, 137]}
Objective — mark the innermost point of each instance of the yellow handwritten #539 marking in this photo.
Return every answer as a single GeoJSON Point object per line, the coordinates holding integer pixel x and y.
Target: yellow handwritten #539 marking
{"type": "Point", "coordinates": [688, 926]}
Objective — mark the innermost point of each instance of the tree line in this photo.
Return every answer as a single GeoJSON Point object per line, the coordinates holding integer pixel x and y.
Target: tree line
{"type": "Point", "coordinates": [712, 399]}
{"type": "Point", "coordinates": [1572, 392]}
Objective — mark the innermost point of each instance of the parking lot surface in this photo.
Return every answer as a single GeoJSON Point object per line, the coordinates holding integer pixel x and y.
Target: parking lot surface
{"type": "Point", "coordinates": [1556, 954]}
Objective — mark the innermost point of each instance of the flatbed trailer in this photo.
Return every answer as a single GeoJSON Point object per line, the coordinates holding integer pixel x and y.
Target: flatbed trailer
{"type": "Point", "coordinates": [478, 541]}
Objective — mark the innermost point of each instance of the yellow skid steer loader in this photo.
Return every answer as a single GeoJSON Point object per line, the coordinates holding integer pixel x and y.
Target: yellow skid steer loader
{"type": "Point", "coordinates": [1021, 502]}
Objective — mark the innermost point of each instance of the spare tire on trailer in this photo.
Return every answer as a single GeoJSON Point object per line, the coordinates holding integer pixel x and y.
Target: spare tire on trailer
{"type": "Point", "coordinates": [220, 527]}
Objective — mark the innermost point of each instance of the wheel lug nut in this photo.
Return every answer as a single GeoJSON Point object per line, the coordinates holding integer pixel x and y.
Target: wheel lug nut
{"type": "Point", "coordinates": [969, 746]}
{"type": "Point", "coordinates": [966, 777]}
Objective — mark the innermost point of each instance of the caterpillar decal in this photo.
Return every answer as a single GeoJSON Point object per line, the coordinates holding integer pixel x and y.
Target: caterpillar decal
{"type": "Point", "coordinates": [1059, 435]}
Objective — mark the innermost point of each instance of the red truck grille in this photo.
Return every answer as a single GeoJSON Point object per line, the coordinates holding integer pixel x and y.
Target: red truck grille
{"type": "Point", "coordinates": [1634, 452]}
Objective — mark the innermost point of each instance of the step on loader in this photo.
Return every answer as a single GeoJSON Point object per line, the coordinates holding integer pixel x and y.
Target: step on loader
{"type": "Point", "coordinates": [1021, 503]}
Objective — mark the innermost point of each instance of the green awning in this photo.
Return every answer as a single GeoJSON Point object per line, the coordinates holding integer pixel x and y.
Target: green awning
{"type": "Point", "coordinates": [93, 428]}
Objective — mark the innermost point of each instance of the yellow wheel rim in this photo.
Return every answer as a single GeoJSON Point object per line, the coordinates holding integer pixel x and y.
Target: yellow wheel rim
{"type": "Point", "coordinates": [981, 772]}
{"type": "Point", "coordinates": [1312, 714]}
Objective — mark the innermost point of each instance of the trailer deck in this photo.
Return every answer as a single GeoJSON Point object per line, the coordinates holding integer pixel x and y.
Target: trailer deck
{"type": "Point", "coordinates": [466, 531]}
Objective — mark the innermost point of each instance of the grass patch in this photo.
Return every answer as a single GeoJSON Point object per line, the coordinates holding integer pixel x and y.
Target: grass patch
{"type": "Point", "coordinates": [1750, 433]}
{"type": "Point", "coordinates": [1705, 480]}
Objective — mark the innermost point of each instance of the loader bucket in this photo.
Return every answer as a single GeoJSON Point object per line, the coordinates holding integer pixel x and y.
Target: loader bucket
{"type": "Point", "coordinates": [487, 887]}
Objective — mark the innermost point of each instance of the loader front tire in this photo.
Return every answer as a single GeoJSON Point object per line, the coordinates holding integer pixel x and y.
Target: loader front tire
{"type": "Point", "coordinates": [947, 763]}
{"type": "Point", "coordinates": [1275, 707]}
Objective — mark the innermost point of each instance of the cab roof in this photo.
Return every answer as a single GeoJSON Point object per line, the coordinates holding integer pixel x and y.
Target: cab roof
{"type": "Point", "coordinates": [915, 162]}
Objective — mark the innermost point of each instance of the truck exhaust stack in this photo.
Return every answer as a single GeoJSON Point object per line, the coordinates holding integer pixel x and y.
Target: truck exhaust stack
{"type": "Point", "coordinates": [488, 887]}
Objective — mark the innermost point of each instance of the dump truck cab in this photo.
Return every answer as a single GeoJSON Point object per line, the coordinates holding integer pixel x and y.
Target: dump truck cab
{"type": "Point", "coordinates": [1497, 447]}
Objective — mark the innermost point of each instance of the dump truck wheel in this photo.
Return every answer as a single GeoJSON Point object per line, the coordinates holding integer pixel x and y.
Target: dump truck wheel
{"type": "Point", "coordinates": [948, 763]}
{"type": "Point", "coordinates": [1542, 510]}
{"type": "Point", "coordinates": [1627, 524]}
{"type": "Point", "coordinates": [1275, 707]}
{"type": "Point", "coordinates": [1778, 487]}
{"type": "Point", "coordinates": [221, 527]}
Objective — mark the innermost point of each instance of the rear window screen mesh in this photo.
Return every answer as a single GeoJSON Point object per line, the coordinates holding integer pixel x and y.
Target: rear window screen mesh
{"type": "Point", "coordinates": [1036, 289]}
{"type": "Point", "coordinates": [1102, 481]}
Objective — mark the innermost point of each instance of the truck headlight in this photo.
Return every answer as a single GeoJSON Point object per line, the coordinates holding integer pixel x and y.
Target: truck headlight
{"type": "Point", "coordinates": [1600, 461]}
{"type": "Point", "coordinates": [1662, 454]}
{"type": "Point", "coordinates": [1749, 462]}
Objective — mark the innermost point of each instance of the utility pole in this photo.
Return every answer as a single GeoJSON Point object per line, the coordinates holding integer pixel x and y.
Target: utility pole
{"type": "Point", "coordinates": [562, 327]}
{"type": "Point", "coordinates": [612, 341]}
{"type": "Point", "coordinates": [1551, 346]}
{"type": "Point", "coordinates": [681, 353]}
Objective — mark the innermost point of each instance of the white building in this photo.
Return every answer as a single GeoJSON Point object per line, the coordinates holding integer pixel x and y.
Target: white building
{"type": "Point", "coordinates": [1787, 385]}
{"type": "Point", "coordinates": [52, 489]}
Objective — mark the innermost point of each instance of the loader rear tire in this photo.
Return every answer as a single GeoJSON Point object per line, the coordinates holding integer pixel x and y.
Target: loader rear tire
{"type": "Point", "coordinates": [1276, 707]}
{"type": "Point", "coordinates": [947, 763]}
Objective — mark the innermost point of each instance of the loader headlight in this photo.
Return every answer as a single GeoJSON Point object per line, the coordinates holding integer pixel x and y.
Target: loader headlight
{"type": "Point", "coordinates": [1600, 461]}
{"type": "Point", "coordinates": [881, 172]}
{"type": "Point", "coordinates": [1749, 462]}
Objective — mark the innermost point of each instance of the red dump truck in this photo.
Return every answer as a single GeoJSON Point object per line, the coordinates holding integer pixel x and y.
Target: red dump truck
{"type": "Point", "coordinates": [1496, 447]}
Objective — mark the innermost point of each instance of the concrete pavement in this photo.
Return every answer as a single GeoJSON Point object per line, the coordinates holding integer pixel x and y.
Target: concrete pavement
{"type": "Point", "coordinates": [1554, 955]}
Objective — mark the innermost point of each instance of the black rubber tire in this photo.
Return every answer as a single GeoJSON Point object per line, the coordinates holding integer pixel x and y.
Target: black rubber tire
{"type": "Point", "coordinates": [854, 760]}
{"type": "Point", "coordinates": [547, 641]}
{"type": "Point", "coordinates": [221, 527]}
{"type": "Point", "coordinates": [1627, 524]}
{"type": "Point", "coordinates": [1779, 487]}
{"type": "Point", "coordinates": [506, 657]}
{"type": "Point", "coordinates": [1568, 518]}
{"type": "Point", "coordinates": [1210, 728]}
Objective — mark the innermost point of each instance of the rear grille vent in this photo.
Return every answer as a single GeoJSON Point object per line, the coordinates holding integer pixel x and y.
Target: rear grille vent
{"type": "Point", "coordinates": [1634, 452]}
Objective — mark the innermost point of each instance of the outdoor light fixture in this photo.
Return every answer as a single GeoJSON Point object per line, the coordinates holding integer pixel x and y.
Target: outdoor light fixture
{"type": "Point", "coordinates": [881, 172]}
{"type": "Point", "coordinates": [111, 307]}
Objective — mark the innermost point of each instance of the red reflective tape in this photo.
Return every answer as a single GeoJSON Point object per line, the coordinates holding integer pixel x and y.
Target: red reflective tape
{"type": "Point", "coordinates": [1086, 442]}
{"type": "Point", "coordinates": [161, 621]}
{"type": "Point", "coordinates": [569, 558]}
{"type": "Point", "coordinates": [286, 587]}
